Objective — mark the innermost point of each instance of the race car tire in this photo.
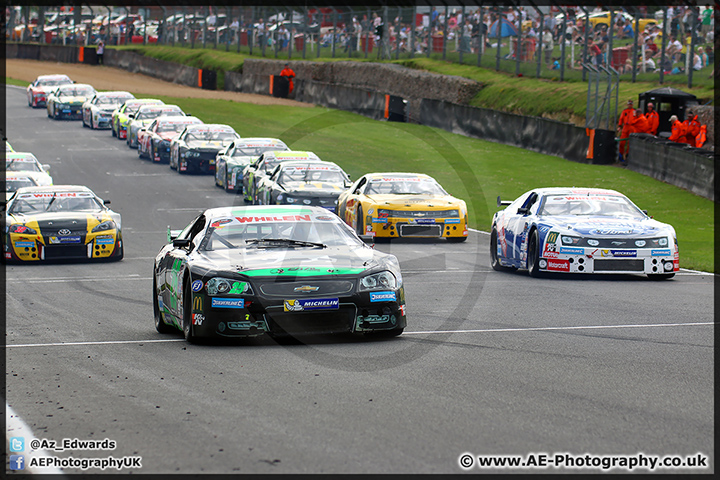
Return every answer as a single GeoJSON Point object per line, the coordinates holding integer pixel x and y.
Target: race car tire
{"type": "Point", "coordinates": [140, 152]}
{"type": "Point", "coordinates": [179, 165]}
{"type": "Point", "coordinates": [456, 239]}
{"type": "Point", "coordinates": [188, 330]}
{"type": "Point", "coordinates": [494, 262]}
{"type": "Point", "coordinates": [83, 122]}
{"type": "Point", "coordinates": [93, 125]}
{"type": "Point", "coordinates": [533, 255]}
{"type": "Point", "coordinates": [359, 221]}
{"type": "Point", "coordinates": [160, 324]}
{"type": "Point", "coordinates": [661, 276]}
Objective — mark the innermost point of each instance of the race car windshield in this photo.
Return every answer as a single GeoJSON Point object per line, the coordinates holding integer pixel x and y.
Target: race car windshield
{"type": "Point", "coordinates": [210, 136]}
{"type": "Point", "coordinates": [253, 151]}
{"type": "Point", "coordinates": [150, 114]}
{"type": "Point", "coordinates": [608, 206]}
{"type": "Point", "coordinates": [171, 127]}
{"type": "Point", "coordinates": [76, 92]}
{"type": "Point", "coordinates": [54, 83]}
{"type": "Point", "coordinates": [50, 202]}
{"type": "Point", "coordinates": [12, 184]}
{"type": "Point", "coordinates": [300, 234]}
{"type": "Point", "coordinates": [414, 186]}
{"type": "Point", "coordinates": [311, 175]}
{"type": "Point", "coordinates": [16, 165]}
{"type": "Point", "coordinates": [111, 100]}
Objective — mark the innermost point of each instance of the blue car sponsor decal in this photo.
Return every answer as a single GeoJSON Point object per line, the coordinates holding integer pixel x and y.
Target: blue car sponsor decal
{"type": "Point", "coordinates": [382, 297]}
{"type": "Point", "coordinates": [197, 286]}
{"type": "Point", "coordinates": [24, 244]}
{"type": "Point", "coordinates": [104, 241]}
{"type": "Point", "coordinates": [623, 253]}
{"type": "Point", "coordinates": [65, 240]}
{"type": "Point", "coordinates": [301, 305]}
{"type": "Point", "coordinates": [452, 220]}
{"type": "Point", "coordinates": [379, 220]}
{"type": "Point", "coordinates": [661, 253]}
{"type": "Point", "coordinates": [572, 251]}
{"type": "Point", "coordinates": [425, 220]}
{"type": "Point", "coordinates": [228, 302]}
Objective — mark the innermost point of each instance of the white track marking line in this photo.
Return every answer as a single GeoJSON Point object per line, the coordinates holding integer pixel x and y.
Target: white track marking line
{"type": "Point", "coordinates": [534, 329]}
{"type": "Point", "coordinates": [428, 332]}
{"type": "Point", "coordinates": [109, 342]}
{"type": "Point", "coordinates": [16, 427]}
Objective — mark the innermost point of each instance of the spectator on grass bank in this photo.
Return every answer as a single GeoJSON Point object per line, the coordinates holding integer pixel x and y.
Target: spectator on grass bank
{"type": "Point", "coordinates": [547, 41]}
{"type": "Point", "coordinates": [653, 119]}
{"type": "Point", "coordinates": [288, 72]}
{"type": "Point", "coordinates": [101, 52]}
{"type": "Point", "coordinates": [624, 127]}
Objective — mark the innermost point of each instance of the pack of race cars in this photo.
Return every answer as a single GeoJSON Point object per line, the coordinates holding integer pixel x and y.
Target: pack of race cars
{"type": "Point", "coordinates": [311, 272]}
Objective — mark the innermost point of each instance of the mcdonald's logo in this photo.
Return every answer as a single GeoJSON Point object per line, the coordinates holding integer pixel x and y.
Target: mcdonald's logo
{"type": "Point", "coordinates": [197, 303]}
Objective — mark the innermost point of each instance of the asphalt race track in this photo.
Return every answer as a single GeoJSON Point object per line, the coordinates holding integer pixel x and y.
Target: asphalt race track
{"type": "Point", "coordinates": [491, 363]}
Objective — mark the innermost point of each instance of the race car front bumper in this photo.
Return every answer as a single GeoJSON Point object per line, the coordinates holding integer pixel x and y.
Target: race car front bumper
{"type": "Point", "coordinates": [593, 260]}
{"type": "Point", "coordinates": [391, 227]}
{"type": "Point", "coordinates": [33, 248]}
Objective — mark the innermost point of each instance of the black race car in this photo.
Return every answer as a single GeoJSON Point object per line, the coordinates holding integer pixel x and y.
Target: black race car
{"type": "Point", "coordinates": [277, 270]}
{"type": "Point", "coordinates": [264, 166]}
{"type": "Point", "coordinates": [304, 183]}
{"type": "Point", "coordinates": [198, 145]}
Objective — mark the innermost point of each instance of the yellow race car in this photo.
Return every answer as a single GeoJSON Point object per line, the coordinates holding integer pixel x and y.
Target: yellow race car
{"type": "Point", "coordinates": [58, 222]}
{"type": "Point", "coordinates": [396, 205]}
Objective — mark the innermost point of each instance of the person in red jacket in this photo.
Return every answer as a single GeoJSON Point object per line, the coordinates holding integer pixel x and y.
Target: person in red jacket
{"type": "Point", "coordinates": [653, 119]}
{"type": "Point", "coordinates": [678, 130]}
{"type": "Point", "coordinates": [288, 72]}
{"type": "Point", "coordinates": [639, 124]}
{"type": "Point", "coordinates": [624, 127]}
{"type": "Point", "coordinates": [701, 137]}
{"type": "Point", "coordinates": [692, 128]}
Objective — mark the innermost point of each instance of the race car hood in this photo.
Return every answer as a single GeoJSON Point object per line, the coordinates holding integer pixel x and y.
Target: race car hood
{"type": "Point", "coordinates": [425, 201]}
{"type": "Point", "coordinates": [605, 226]}
{"type": "Point", "coordinates": [314, 188]}
{"type": "Point", "coordinates": [168, 136]}
{"type": "Point", "coordinates": [76, 222]}
{"type": "Point", "coordinates": [302, 262]}
{"type": "Point", "coordinates": [44, 90]}
{"type": "Point", "coordinates": [208, 145]}
{"type": "Point", "coordinates": [107, 110]}
{"type": "Point", "coordinates": [72, 99]}
{"type": "Point", "coordinates": [239, 162]}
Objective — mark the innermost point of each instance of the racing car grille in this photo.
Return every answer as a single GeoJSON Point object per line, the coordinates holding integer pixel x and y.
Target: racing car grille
{"type": "Point", "coordinates": [65, 251]}
{"type": "Point", "coordinates": [298, 289]}
{"type": "Point", "coordinates": [623, 242]}
{"type": "Point", "coordinates": [420, 213]}
{"type": "Point", "coordinates": [617, 265]}
{"type": "Point", "coordinates": [335, 321]}
{"type": "Point", "coordinates": [420, 230]}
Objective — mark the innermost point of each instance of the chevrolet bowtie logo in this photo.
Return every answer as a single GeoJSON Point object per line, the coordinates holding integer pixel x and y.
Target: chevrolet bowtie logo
{"type": "Point", "coordinates": [306, 289]}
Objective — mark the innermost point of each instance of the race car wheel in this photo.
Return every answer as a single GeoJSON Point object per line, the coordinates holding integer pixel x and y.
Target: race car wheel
{"type": "Point", "coordinates": [188, 330]}
{"type": "Point", "coordinates": [661, 276]}
{"type": "Point", "coordinates": [140, 152]}
{"type": "Point", "coordinates": [359, 221]}
{"type": "Point", "coordinates": [93, 125]}
{"type": "Point", "coordinates": [112, 130]}
{"type": "Point", "coordinates": [494, 262]}
{"type": "Point", "coordinates": [533, 255]}
{"type": "Point", "coordinates": [160, 324]}
{"type": "Point", "coordinates": [180, 164]}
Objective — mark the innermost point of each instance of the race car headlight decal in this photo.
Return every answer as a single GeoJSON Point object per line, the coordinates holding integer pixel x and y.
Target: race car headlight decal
{"type": "Point", "coordinates": [288, 199]}
{"type": "Point", "coordinates": [593, 243]}
{"type": "Point", "coordinates": [22, 229]}
{"type": "Point", "coordinates": [567, 240]}
{"type": "Point", "coordinates": [223, 286]}
{"type": "Point", "coordinates": [663, 242]}
{"type": "Point", "coordinates": [378, 281]}
{"type": "Point", "coordinates": [106, 225]}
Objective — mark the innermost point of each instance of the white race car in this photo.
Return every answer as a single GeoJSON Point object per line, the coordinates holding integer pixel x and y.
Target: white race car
{"type": "Point", "coordinates": [97, 112]}
{"type": "Point", "coordinates": [581, 230]}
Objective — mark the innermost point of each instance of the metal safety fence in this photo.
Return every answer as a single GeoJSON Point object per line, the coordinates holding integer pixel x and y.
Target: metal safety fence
{"type": "Point", "coordinates": [641, 43]}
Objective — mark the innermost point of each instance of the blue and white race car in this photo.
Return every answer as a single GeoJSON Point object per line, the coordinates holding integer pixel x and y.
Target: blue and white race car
{"type": "Point", "coordinates": [581, 230]}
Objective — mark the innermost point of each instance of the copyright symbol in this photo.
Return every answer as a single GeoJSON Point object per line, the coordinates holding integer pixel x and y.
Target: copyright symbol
{"type": "Point", "coordinates": [35, 444]}
{"type": "Point", "coordinates": [466, 460]}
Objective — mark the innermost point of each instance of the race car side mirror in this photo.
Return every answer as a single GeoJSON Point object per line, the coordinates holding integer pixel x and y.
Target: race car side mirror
{"type": "Point", "coordinates": [46, 166]}
{"type": "Point", "coordinates": [523, 211]}
{"type": "Point", "coordinates": [645, 212]}
{"type": "Point", "coordinates": [181, 242]}
{"type": "Point", "coordinates": [501, 203]}
{"type": "Point", "coordinates": [106, 202]}
{"type": "Point", "coordinates": [131, 115]}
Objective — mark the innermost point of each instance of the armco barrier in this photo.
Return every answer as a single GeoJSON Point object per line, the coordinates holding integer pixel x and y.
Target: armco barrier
{"type": "Point", "coordinates": [532, 133]}
{"type": "Point", "coordinates": [674, 163]}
